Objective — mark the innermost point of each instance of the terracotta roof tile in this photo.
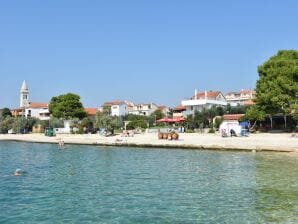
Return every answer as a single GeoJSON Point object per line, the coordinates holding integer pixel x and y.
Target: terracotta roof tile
{"type": "Point", "coordinates": [91, 111]}
{"type": "Point", "coordinates": [116, 102]}
{"type": "Point", "coordinates": [210, 95]}
{"type": "Point", "coordinates": [38, 105]}
{"type": "Point", "coordinates": [232, 116]}
{"type": "Point", "coordinates": [179, 108]}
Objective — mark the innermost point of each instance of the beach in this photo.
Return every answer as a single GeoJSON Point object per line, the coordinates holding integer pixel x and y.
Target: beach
{"type": "Point", "coordinates": [255, 142]}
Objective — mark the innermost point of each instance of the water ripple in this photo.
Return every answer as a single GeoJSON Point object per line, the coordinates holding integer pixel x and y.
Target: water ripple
{"type": "Point", "coordinates": [85, 184]}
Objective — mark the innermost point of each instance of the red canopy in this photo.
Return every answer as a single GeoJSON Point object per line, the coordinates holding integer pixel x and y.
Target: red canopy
{"type": "Point", "coordinates": [171, 120]}
{"type": "Point", "coordinates": [165, 119]}
{"type": "Point", "coordinates": [178, 119]}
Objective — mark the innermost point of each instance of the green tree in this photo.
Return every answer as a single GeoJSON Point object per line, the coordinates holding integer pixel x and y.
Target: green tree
{"type": "Point", "coordinates": [5, 112]}
{"type": "Point", "coordinates": [295, 111]}
{"type": "Point", "coordinates": [136, 124]}
{"type": "Point", "coordinates": [55, 123]}
{"type": "Point", "coordinates": [104, 120]}
{"type": "Point", "coordinates": [67, 106]}
{"type": "Point", "coordinates": [158, 114]}
{"type": "Point", "coordinates": [86, 124]}
{"type": "Point", "coordinates": [20, 124]}
{"type": "Point", "coordinates": [6, 124]}
{"type": "Point", "coordinates": [277, 87]}
{"type": "Point", "coordinates": [253, 113]}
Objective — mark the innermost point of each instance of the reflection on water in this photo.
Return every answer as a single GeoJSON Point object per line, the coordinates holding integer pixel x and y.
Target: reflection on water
{"type": "Point", "coordinates": [86, 184]}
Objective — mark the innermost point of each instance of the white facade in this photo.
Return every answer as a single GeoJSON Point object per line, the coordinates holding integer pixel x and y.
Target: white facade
{"type": "Point", "coordinates": [37, 110]}
{"type": "Point", "coordinates": [24, 95]}
{"type": "Point", "coordinates": [119, 109]}
{"type": "Point", "coordinates": [144, 109]}
{"type": "Point", "coordinates": [203, 100]}
{"type": "Point", "coordinates": [29, 109]}
{"type": "Point", "coordinates": [240, 98]}
{"type": "Point", "coordinates": [40, 113]}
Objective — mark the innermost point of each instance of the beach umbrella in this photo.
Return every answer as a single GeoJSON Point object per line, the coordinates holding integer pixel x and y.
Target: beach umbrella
{"type": "Point", "coordinates": [165, 119]}
{"type": "Point", "coordinates": [178, 119]}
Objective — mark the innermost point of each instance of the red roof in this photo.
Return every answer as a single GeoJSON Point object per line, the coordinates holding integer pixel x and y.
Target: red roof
{"type": "Point", "coordinates": [91, 111]}
{"type": "Point", "coordinates": [247, 91]}
{"type": "Point", "coordinates": [38, 105]}
{"type": "Point", "coordinates": [232, 116]}
{"type": "Point", "coordinates": [162, 107]}
{"type": "Point", "coordinates": [116, 102]}
{"type": "Point", "coordinates": [210, 95]}
{"type": "Point", "coordinates": [179, 108]}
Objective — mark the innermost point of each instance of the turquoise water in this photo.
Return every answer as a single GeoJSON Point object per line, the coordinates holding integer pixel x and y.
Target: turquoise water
{"type": "Point", "coordinates": [88, 184]}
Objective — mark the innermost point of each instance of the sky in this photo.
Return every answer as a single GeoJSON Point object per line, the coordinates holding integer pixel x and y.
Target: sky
{"type": "Point", "coordinates": [143, 51]}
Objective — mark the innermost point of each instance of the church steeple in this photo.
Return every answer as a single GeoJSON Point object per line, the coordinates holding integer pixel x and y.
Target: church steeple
{"type": "Point", "coordinates": [24, 95]}
{"type": "Point", "coordinates": [24, 86]}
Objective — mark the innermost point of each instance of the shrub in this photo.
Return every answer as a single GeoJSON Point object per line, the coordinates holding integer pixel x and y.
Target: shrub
{"type": "Point", "coordinates": [211, 130]}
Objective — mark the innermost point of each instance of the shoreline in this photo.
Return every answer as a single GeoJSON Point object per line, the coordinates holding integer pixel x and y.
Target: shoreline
{"type": "Point", "coordinates": [255, 142]}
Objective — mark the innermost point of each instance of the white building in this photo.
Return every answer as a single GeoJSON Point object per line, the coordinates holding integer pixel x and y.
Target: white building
{"type": "Point", "coordinates": [118, 108]}
{"type": "Point", "coordinates": [244, 97]}
{"type": "Point", "coordinates": [203, 100]}
{"type": "Point", "coordinates": [144, 109]}
{"type": "Point", "coordinates": [179, 111]}
{"type": "Point", "coordinates": [30, 109]}
{"type": "Point", "coordinates": [38, 110]}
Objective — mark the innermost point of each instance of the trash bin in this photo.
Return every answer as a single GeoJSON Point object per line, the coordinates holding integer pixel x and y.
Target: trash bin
{"type": "Point", "coordinates": [49, 132]}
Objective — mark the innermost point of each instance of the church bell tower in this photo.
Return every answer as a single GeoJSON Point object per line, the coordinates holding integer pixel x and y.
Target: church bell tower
{"type": "Point", "coordinates": [24, 96]}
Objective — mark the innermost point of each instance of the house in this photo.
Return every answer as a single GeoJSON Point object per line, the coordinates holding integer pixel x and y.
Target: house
{"type": "Point", "coordinates": [203, 100]}
{"type": "Point", "coordinates": [144, 109]}
{"type": "Point", "coordinates": [244, 97]}
{"type": "Point", "coordinates": [118, 107]}
{"type": "Point", "coordinates": [91, 112]}
{"type": "Point", "coordinates": [18, 112]}
{"type": "Point", "coordinates": [37, 110]}
{"type": "Point", "coordinates": [30, 109]}
{"type": "Point", "coordinates": [178, 111]}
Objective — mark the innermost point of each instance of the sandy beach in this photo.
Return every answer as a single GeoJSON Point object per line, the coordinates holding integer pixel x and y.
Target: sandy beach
{"type": "Point", "coordinates": [258, 142]}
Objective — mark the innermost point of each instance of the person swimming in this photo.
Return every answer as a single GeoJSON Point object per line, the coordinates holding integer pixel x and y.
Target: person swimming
{"type": "Point", "coordinates": [61, 144]}
{"type": "Point", "coordinates": [18, 172]}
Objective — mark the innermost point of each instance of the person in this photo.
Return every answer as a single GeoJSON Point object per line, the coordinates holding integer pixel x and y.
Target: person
{"type": "Point", "coordinates": [61, 143]}
{"type": "Point", "coordinates": [18, 172]}
{"type": "Point", "coordinates": [233, 133]}
{"type": "Point", "coordinates": [224, 133]}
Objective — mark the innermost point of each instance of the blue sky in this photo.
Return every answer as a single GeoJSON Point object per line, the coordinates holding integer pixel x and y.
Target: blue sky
{"type": "Point", "coordinates": [143, 51]}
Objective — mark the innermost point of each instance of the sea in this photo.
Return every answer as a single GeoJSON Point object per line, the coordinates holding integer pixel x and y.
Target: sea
{"type": "Point", "coordinates": [97, 184]}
